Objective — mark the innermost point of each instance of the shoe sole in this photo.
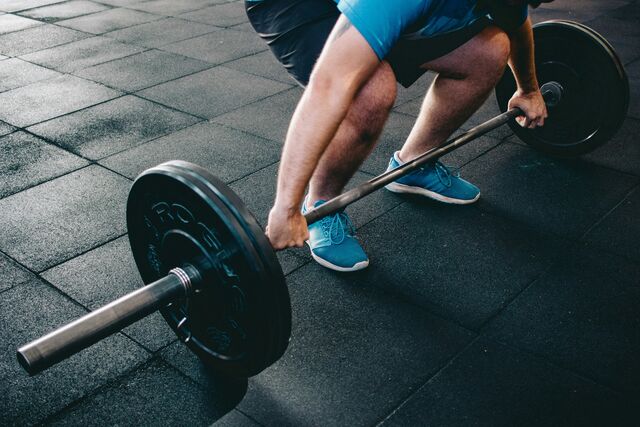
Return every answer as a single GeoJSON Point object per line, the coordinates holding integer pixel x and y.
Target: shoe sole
{"type": "Point", "coordinates": [394, 187]}
{"type": "Point", "coordinates": [323, 262]}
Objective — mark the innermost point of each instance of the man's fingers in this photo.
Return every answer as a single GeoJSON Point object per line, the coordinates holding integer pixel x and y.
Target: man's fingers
{"type": "Point", "coordinates": [278, 245]}
{"type": "Point", "coordinates": [531, 122]}
{"type": "Point", "coordinates": [524, 121]}
{"type": "Point", "coordinates": [536, 122]}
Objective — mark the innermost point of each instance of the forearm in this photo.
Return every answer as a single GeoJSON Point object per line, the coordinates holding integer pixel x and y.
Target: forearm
{"type": "Point", "coordinates": [522, 62]}
{"type": "Point", "coordinates": [521, 59]}
{"type": "Point", "coordinates": [318, 115]}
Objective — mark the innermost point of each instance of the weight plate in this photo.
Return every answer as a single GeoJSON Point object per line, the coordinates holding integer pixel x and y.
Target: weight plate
{"type": "Point", "coordinates": [280, 299]}
{"type": "Point", "coordinates": [596, 89]}
{"type": "Point", "coordinates": [239, 320]}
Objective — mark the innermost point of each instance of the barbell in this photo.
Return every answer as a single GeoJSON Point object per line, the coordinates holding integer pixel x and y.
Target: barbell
{"type": "Point", "coordinates": [209, 268]}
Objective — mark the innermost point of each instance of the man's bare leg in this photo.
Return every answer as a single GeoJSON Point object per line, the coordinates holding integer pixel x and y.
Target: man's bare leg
{"type": "Point", "coordinates": [466, 77]}
{"type": "Point", "coordinates": [356, 136]}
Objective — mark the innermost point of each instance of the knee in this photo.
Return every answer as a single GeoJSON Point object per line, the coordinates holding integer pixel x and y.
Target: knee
{"type": "Point", "coordinates": [374, 101]}
{"type": "Point", "coordinates": [379, 93]}
{"type": "Point", "coordinates": [501, 48]}
{"type": "Point", "coordinates": [495, 53]}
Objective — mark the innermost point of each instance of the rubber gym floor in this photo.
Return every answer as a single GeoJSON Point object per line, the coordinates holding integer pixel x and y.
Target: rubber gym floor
{"type": "Point", "coordinates": [523, 309]}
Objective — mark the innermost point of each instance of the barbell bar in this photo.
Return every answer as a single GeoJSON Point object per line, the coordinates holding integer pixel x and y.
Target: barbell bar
{"type": "Point", "coordinates": [111, 318]}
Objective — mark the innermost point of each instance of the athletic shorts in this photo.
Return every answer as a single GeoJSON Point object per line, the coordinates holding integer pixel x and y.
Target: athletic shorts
{"type": "Point", "coordinates": [296, 31]}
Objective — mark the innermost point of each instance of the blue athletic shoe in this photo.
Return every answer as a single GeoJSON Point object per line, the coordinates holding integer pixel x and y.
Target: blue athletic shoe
{"type": "Point", "coordinates": [333, 243]}
{"type": "Point", "coordinates": [435, 181]}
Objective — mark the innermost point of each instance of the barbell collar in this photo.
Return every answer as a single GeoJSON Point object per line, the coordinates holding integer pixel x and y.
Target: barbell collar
{"type": "Point", "coordinates": [551, 92]}
{"type": "Point", "coordinates": [113, 317]}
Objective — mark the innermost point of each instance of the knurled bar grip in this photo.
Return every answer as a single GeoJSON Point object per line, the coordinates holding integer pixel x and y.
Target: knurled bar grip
{"type": "Point", "coordinates": [551, 92]}
{"type": "Point", "coordinates": [58, 345]}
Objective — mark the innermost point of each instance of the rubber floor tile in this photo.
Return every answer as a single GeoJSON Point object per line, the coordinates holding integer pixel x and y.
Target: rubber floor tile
{"type": "Point", "coordinates": [213, 92]}
{"type": "Point", "coordinates": [456, 261]}
{"type": "Point", "coordinates": [160, 33]}
{"type": "Point", "coordinates": [622, 152]}
{"type": "Point", "coordinates": [581, 315]}
{"type": "Point", "coordinates": [223, 15]}
{"type": "Point", "coordinates": [45, 100]}
{"type": "Point", "coordinates": [26, 161]}
{"type": "Point", "coordinates": [219, 47]}
{"type": "Point", "coordinates": [113, 126]}
{"type": "Point", "coordinates": [219, 150]}
{"type": "Point", "coordinates": [262, 64]}
{"type": "Point", "coordinates": [142, 70]}
{"type": "Point", "coordinates": [16, 5]}
{"type": "Point", "coordinates": [10, 23]}
{"type": "Point", "coordinates": [6, 129]}
{"type": "Point", "coordinates": [108, 20]}
{"type": "Point", "coordinates": [564, 197]}
{"type": "Point", "coordinates": [236, 419]}
{"type": "Point", "coordinates": [29, 311]}
{"type": "Point", "coordinates": [493, 385]}
{"type": "Point", "coordinates": [154, 394]}
{"type": "Point", "coordinates": [37, 38]}
{"type": "Point", "coordinates": [172, 7]}
{"type": "Point", "coordinates": [81, 54]}
{"type": "Point", "coordinates": [269, 118]}
{"type": "Point", "coordinates": [57, 220]}
{"type": "Point", "coordinates": [15, 73]}
{"type": "Point", "coordinates": [59, 11]}
{"type": "Point", "coordinates": [13, 273]}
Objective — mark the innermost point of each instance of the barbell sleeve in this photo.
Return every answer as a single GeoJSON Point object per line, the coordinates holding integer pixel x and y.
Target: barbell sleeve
{"type": "Point", "coordinates": [68, 340]}
{"type": "Point", "coordinates": [551, 92]}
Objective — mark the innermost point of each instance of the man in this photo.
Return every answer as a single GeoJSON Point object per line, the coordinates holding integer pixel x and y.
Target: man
{"type": "Point", "coordinates": [349, 54]}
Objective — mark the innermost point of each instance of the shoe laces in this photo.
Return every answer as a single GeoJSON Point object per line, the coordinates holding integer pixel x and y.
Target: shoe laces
{"type": "Point", "coordinates": [444, 173]}
{"type": "Point", "coordinates": [337, 227]}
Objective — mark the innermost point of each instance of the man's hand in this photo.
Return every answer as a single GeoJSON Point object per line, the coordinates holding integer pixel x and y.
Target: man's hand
{"type": "Point", "coordinates": [286, 228]}
{"type": "Point", "coordinates": [533, 106]}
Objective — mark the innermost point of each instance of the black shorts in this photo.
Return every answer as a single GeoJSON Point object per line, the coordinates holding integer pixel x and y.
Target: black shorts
{"type": "Point", "coordinates": [296, 31]}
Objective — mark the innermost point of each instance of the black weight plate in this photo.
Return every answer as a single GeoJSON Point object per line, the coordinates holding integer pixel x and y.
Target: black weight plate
{"type": "Point", "coordinates": [596, 89]}
{"type": "Point", "coordinates": [282, 308]}
{"type": "Point", "coordinates": [239, 322]}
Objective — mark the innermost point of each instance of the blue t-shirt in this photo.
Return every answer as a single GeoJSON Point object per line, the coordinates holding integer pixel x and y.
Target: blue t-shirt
{"type": "Point", "coordinates": [384, 22]}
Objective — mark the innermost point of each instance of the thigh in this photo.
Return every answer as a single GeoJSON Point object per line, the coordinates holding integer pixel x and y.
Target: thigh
{"type": "Point", "coordinates": [486, 51]}
{"type": "Point", "coordinates": [409, 57]}
{"type": "Point", "coordinates": [295, 31]}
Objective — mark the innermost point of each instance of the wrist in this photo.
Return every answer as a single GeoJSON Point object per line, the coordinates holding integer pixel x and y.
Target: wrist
{"type": "Point", "coordinates": [527, 93]}
{"type": "Point", "coordinates": [289, 208]}
{"type": "Point", "coordinates": [528, 87]}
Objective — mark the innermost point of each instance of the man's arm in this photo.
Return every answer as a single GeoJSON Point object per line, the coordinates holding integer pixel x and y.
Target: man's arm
{"type": "Point", "coordinates": [521, 59]}
{"type": "Point", "coordinates": [346, 62]}
{"type": "Point", "coordinates": [522, 63]}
